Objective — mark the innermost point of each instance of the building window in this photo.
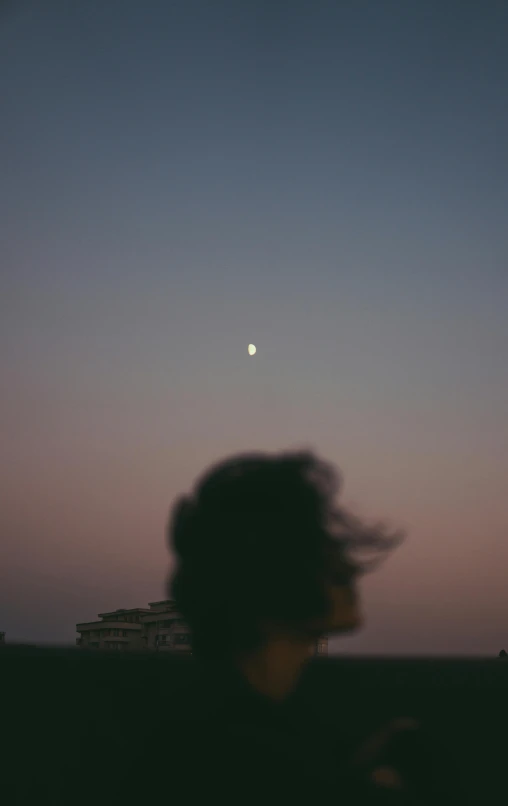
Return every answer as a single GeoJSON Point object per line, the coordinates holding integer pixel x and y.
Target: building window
{"type": "Point", "coordinates": [124, 633]}
{"type": "Point", "coordinates": [182, 638]}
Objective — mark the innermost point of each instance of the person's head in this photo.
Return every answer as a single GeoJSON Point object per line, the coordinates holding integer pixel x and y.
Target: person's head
{"type": "Point", "coordinates": [262, 546]}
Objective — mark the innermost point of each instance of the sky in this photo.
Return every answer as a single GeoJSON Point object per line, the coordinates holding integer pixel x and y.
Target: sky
{"type": "Point", "coordinates": [326, 180]}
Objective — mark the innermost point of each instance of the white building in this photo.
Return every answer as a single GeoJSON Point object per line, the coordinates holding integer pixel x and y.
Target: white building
{"type": "Point", "coordinates": [156, 627]}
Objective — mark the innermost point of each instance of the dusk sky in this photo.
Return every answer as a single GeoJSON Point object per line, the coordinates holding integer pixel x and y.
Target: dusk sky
{"type": "Point", "coordinates": [327, 180]}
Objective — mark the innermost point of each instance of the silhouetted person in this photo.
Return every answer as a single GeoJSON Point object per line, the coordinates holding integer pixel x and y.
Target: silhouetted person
{"type": "Point", "coordinates": [503, 654]}
{"type": "Point", "coordinates": [262, 549]}
{"type": "Point", "coordinates": [267, 562]}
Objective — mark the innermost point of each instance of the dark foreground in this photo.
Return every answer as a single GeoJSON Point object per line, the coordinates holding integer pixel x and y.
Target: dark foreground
{"type": "Point", "coordinates": [75, 721]}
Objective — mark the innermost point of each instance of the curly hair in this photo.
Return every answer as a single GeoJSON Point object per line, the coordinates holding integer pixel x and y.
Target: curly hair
{"type": "Point", "coordinates": [256, 541]}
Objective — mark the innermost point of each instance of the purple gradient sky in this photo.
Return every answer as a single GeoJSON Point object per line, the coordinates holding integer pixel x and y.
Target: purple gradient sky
{"type": "Point", "coordinates": [327, 180]}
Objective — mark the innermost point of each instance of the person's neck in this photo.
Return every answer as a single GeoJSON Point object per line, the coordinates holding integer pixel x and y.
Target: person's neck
{"type": "Point", "coordinates": [275, 668]}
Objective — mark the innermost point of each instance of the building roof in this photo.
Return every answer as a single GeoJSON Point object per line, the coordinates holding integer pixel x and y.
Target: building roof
{"type": "Point", "coordinates": [156, 611]}
{"type": "Point", "coordinates": [123, 611]}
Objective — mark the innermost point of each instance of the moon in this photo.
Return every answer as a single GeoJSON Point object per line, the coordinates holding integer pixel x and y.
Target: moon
{"type": "Point", "coordinates": [252, 349]}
